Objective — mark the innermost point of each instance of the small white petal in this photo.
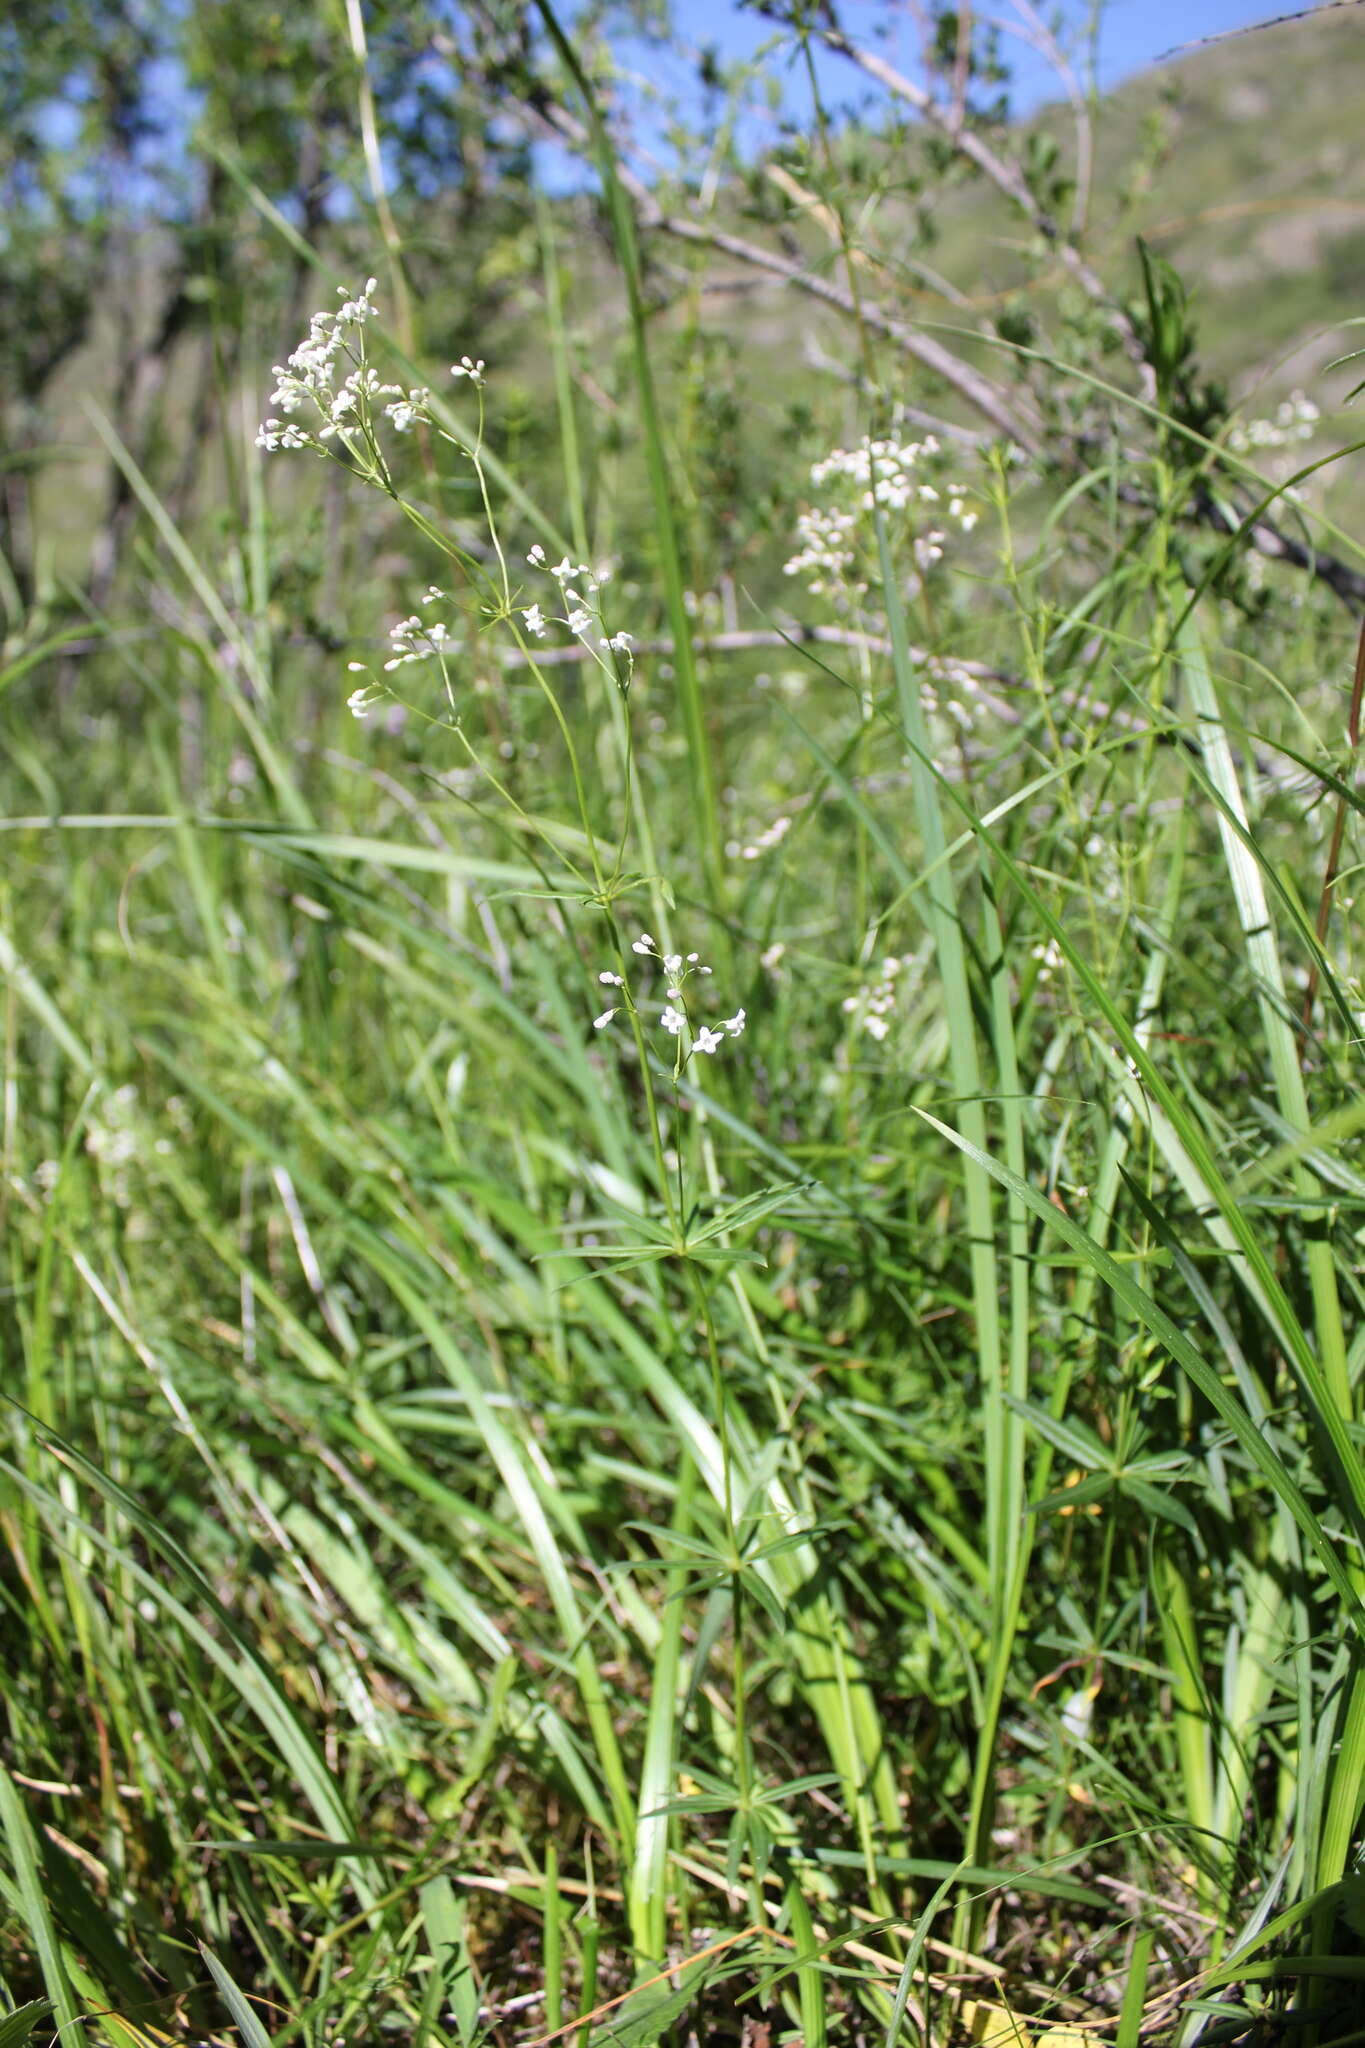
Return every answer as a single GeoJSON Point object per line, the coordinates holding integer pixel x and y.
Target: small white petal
{"type": "Point", "coordinates": [1078, 1714]}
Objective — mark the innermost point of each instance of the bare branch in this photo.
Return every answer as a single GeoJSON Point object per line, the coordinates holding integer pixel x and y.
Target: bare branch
{"type": "Point", "coordinates": [1004, 175]}
{"type": "Point", "coordinates": [1036, 33]}
{"type": "Point", "coordinates": [980, 393]}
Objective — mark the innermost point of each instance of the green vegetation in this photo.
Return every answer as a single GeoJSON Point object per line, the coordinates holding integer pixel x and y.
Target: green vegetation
{"type": "Point", "coordinates": [683, 1326]}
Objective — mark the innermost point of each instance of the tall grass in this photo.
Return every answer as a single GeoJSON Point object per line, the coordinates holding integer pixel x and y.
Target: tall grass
{"type": "Point", "coordinates": [513, 1532]}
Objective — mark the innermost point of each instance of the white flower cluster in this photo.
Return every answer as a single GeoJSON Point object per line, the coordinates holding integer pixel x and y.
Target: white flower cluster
{"type": "Point", "coordinates": [952, 692]}
{"type": "Point", "coordinates": [412, 639]}
{"type": "Point", "coordinates": [764, 843]}
{"type": "Point", "coordinates": [892, 475]}
{"type": "Point", "coordinates": [110, 1135]}
{"type": "Point", "coordinates": [582, 607]}
{"type": "Point", "coordinates": [873, 1004]}
{"type": "Point", "coordinates": [1295, 419]}
{"type": "Point", "coordinates": [679, 970]}
{"type": "Point", "coordinates": [111, 1139]}
{"type": "Point", "coordinates": [827, 550]}
{"type": "Point", "coordinates": [318, 409]}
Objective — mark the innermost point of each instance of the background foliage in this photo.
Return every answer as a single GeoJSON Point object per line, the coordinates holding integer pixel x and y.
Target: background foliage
{"type": "Point", "coordinates": [857, 1535]}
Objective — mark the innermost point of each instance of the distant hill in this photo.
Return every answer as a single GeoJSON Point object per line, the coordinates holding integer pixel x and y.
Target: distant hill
{"type": "Point", "coordinates": [1241, 162]}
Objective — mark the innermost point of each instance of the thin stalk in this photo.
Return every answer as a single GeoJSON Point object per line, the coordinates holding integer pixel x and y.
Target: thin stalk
{"type": "Point", "coordinates": [1003, 1532]}
{"type": "Point", "coordinates": [661, 488]}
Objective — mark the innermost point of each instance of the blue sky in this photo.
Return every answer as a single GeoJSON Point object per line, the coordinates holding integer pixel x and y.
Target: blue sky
{"type": "Point", "coordinates": [1132, 35]}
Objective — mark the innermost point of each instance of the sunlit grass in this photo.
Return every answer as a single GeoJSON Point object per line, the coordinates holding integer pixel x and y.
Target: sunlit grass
{"type": "Point", "coordinates": [517, 1529]}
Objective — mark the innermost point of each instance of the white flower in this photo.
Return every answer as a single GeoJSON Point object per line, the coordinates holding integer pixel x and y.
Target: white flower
{"type": "Point", "coordinates": [644, 944]}
{"type": "Point", "coordinates": [734, 1025]}
{"type": "Point", "coordinates": [610, 980]}
{"type": "Point", "coordinates": [619, 643]}
{"type": "Point", "coordinates": [276, 434]}
{"type": "Point", "coordinates": [535, 621]}
{"type": "Point", "coordinates": [412, 639]}
{"type": "Point", "coordinates": [536, 557]}
{"type": "Point", "coordinates": [673, 963]}
{"type": "Point", "coordinates": [359, 395]}
{"type": "Point", "coordinates": [467, 368]}
{"type": "Point", "coordinates": [885, 474]}
{"type": "Point", "coordinates": [772, 959]}
{"type": "Point", "coordinates": [1078, 1713]}
{"type": "Point", "coordinates": [600, 1023]}
{"type": "Point", "coordinates": [579, 620]}
{"type": "Point", "coordinates": [356, 310]}
{"type": "Point", "coordinates": [707, 1040]}
{"type": "Point", "coordinates": [672, 1021]}
{"type": "Point", "coordinates": [874, 1005]}
{"type": "Point", "coordinates": [766, 841]}
{"type": "Point", "coordinates": [361, 702]}
{"type": "Point", "coordinates": [406, 411]}
{"type": "Point", "coordinates": [308, 381]}
{"type": "Point", "coordinates": [1295, 420]}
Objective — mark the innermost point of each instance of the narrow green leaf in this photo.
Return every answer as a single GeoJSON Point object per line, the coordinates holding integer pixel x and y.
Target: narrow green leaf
{"type": "Point", "coordinates": [1122, 1284]}
{"type": "Point", "coordinates": [248, 2026]}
